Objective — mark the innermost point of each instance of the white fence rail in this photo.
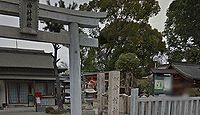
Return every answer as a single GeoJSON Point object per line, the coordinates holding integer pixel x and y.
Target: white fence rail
{"type": "Point", "coordinates": [164, 105]}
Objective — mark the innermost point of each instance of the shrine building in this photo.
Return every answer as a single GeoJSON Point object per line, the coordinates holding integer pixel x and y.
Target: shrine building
{"type": "Point", "coordinates": [24, 72]}
{"type": "Point", "coordinates": [176, 78]}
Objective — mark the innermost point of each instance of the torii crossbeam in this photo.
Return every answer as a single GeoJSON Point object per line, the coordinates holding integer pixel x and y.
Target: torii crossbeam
{"type": "Point", "coordinates": [30, 11]}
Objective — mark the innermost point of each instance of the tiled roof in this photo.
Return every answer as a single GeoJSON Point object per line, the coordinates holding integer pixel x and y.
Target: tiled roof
{"type": "Point", "coordinates": [17, 50]}
{"type": "Point", "coordinates": [191, 71]}
{"type": "Point", "coordinates": [188, 70]}
{"type": "Point", "coordinates": [12, 57]}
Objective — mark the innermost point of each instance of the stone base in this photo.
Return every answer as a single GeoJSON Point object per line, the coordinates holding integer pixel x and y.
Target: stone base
{"type": "Point", "coordinates": [1, 108]}
{"type": "Point", "coordinates": [104, 112]}
{"type": "Point", "coordinates": [88, 112]}
{"type": "Point", "coordinates": [41, 109]}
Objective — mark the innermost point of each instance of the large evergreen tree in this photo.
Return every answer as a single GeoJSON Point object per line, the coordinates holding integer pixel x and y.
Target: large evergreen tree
{"type": "Point", "coordinates": [126, 31]}
{"type": "Point", "coordinates": [182, 30]}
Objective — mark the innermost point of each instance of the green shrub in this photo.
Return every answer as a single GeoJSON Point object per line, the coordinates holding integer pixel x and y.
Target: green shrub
{"type": "Point", "coordinates": [56, 111]}
{"type": "Point", "coordinates": [49, 109]}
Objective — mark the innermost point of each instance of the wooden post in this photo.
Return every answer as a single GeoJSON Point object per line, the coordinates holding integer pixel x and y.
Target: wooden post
{"type": "Point", "coordinates": [191, 107]}
{"type": "Point", "coordinates": [169, 108]}
{"type": "Point", "coordinates": [197, 108]}
{"type": "Point", "coordinates": [163, 105]}
{"type": "Point", "coordinates": [180, 107]}
{"type": "Point", "coordinates": [156, 109]}
{"type": "Point", "coordinates": [134, 102]}
{"type": "Point", "coordinates": [75, 77]}
{"type": "Point", "coordinates": [100, 91]}
{"type": "Point", "coordinates": [149, 108]}
{"type": "Point", "coordinates": [113, 90]}
{"type": "Point", "coordinates": [174, 108]}
{"type": "Point", "coordinates": [186, 107]}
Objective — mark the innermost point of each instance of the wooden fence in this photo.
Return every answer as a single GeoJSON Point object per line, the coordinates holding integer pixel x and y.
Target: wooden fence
{"type": "Point", "coordinates": [164, 105]}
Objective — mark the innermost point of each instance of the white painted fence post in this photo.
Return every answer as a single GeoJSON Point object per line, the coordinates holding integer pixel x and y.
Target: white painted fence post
{"type": "Point", "coordinates": [169, 108]}
{"type": "Point", "coordinates": [174, 108]}
{"type": "Point", "coordinates": [163, 104]}
{"type": "Point", "coordinates": [180, 107]}
{"type": "Point", "coordinates": [197, 108]}
{"type": "Point", "coordinates": [191, 107]}
{"type": "Point", "coordinates": [134, 102]}
{"type": "Point", "coordinates": [149, 108]}
{"type": "Point", "coordinates": [186, 107]}
{"type": "Point", "coordinates": [156, 108]}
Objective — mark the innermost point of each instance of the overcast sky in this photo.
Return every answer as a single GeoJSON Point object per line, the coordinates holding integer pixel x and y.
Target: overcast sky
{"type": "Point", "coordinates": [156, 22]}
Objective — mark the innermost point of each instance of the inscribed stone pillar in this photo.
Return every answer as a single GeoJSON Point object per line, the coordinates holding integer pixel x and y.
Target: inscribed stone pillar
{"type": "Point", "coordinates": [113, 93]}
{"type": "Point", "coordinates": [100, 91]}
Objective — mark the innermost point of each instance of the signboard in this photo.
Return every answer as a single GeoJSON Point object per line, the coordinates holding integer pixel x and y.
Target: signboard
{"type": "Point", "coordinates": [29, 16]}
{"type": "Point", "coordinates": [159, 84]}
{"type": "Point", "coordinates": [167, 84]}
{"type": "Point", "coordinates": [162, 84]}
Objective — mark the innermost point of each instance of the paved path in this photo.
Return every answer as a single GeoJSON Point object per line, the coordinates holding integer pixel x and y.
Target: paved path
{"type": "Point", "coordinates": [22, 111]}
{"type": "Point", "coordinates": [26, 113]}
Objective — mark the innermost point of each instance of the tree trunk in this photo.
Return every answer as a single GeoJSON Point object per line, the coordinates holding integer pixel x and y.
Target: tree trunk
{"type": "Point", "coordinates": [133, 80]}
{"type": "Point", "coordinates": [58, 90]}
{"type": "Point", "coordinates": [127, 90]}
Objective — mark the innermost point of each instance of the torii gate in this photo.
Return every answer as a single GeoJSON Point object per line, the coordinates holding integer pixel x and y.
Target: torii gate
{"type": "Point", "coordinates": [30, 11]}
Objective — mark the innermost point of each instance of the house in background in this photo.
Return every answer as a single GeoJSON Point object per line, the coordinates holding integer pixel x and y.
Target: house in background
{"type": "Point", "coordinates": [24, 72]}
{"type": "Point", "coordinates": [176, 78]}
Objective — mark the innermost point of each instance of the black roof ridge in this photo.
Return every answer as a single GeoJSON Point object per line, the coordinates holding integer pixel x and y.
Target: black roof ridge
{"type": "Point", "coordinates": [185, 63]}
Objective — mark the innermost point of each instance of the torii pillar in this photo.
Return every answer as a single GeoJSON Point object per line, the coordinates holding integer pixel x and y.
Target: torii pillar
{"type": "Point", "coordinates": [75, 71]}
{"type": "Point", "coordinates": [75, 77]}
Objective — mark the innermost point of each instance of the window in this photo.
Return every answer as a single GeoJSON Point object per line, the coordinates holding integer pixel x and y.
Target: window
{"type": "Point", "coordinates": [46, 88]}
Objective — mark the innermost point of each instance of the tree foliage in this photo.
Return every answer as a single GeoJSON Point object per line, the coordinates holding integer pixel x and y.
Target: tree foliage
{"type": "Point", "coordinates": [129, 65]}
{"type": "Point", "coordinates": [124, 37]}
{"type": "Point", "coordinates": [182, 30]}
{"type": "Point", "coordinates": [53, 26]}
{"type": "Point", "coordinates": [127, 31]}
{"type": "Point", "coordinates": [88, 60]}
{"type": "Point", "coordinates": [129, 10]}
{"type": "Point", "coordinates": [128, 62]}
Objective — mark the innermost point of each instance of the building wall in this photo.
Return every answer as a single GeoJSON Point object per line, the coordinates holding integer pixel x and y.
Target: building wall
{"type": "Point", "coordinates": [180, 85]}
{"type": "Point", "coordinates": [2, 92]}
